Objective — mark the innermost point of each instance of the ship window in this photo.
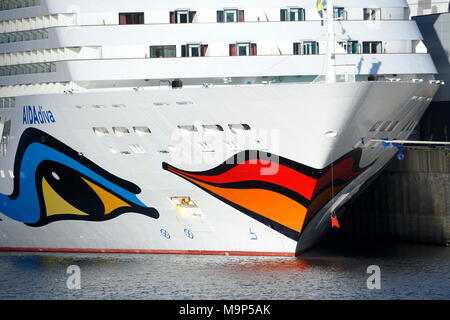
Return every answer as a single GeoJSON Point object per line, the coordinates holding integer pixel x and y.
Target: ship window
{"type": "Point", "coordinates": [5, 128]}
{"type": "Point", "coordinates": [15, 4]}
{"type": "Point", "coordinates": [194, 50]}
{"type": "Point", "coordinates": [372, 14]}
{"type": "Point", "coordinates": [292, 14]}
{"type": "Point", "coordinates": [137, 148]}
{"type": "Point", "coordinates": [370, 47]}
{"type": "Point", "coordinates": [306, 47]}
{"type": "Point", "coordinates": [385, 125]}
{"type": "Point", "coordinates": [121, 131]}
{"type": "Point", "coordinates": [27, 69]}
{"type": "Point", "coordinates": [352, 47]}
{"type": "Point", "coordinates": [239, 128]}
{"type": "Point", "coordinates": [163, 51]}
{"type": "Point", "coordinates": [100, 131]}
{"type": "Point", "coordinates": [375, 126]}
{"type": "Point", "coordinates": [182, 16]}
{"type": "Point", "coordinates": [230, 15]}
{"type": "Point", "coordinates": [213, 128]}
{"type": "Point", "coordinates": [340, 13]}
{"type": "Point", "coordinates": [392, 126]}
{"type": "Point", "coordinates": [188, 128]}
{"type": "Point", "coordinates": [142, 131]}
{"type": "Point", "coordinates": [243, 49]}
{"type": "Point", "coordinates": [131, 18]}
{"type": "Point", "coordinates": [7, 102]}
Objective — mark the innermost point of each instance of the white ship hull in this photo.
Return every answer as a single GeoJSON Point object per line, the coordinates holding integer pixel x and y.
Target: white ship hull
{"type": "Point", "coordinates": [279, 206]}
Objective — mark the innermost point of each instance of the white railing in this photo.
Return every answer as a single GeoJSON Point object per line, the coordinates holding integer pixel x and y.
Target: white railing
{"type": "Point", "coordinates": [51, 54]}
{"type": "Point", "coordinates": [38, 22]}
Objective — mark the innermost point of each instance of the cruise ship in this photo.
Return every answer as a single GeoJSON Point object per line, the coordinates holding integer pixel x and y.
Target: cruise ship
{"type": "Point", "coordinates": [234, 127]}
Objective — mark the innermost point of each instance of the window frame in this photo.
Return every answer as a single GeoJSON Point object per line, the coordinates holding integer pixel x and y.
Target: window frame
{"type": "Point", "coordinates": [239, 15]}
{"type": "Point", "coordinates": [300, 48]}
{"type": "Point", "coordinates": [156, 47]}
{"type": "Point", "coordinates": [371, 43]}
{"type": "Point", "coordinates": [367, 15]}
{"type": "Point", "coordinates": [137, 18]}
{"type": "Point", "coordinates": [336, 14]}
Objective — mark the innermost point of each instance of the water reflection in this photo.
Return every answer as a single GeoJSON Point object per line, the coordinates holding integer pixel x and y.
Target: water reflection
{"type": "Point", "coordinates": [336, 272]}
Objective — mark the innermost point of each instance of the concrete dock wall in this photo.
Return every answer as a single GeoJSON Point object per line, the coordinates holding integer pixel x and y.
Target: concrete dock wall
{"type": "Point", "coordinates": [408, 202]}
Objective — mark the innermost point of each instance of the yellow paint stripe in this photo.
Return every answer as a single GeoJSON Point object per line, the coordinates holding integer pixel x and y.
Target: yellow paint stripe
{"type": "Point", "coordinates": [110, 201]}
{"type": "Point", "coordinates": [55, 205]}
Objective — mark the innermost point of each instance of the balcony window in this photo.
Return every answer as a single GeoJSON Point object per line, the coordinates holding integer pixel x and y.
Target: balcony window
{"type": "Point", "coordinates": [131, 18]}
{"type": "Point", "coordinates": [372, 14]}
{"type": "Point", "coordinates": [163, 51]}
{"type": "Point", "coordinates": [340, 13]}
{"type": "Point", "coordinates": [182, 16]}
{"type": "Point", "coordinates": [292, 14]}
{"type": "Point", "coordinates": [352, 47]}
{"type": "Point", "coordinates": [194, 50]}
{"type": "Point", "coordinates": [372, 47]}
{"type": "Point", "coordinates": [306, 47]}
{"type": "Point", "coordinates": [230, 15]}
{"type": "Point", "coordinates": [243, 49]}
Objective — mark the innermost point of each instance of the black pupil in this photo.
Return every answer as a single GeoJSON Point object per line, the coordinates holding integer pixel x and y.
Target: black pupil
{"type": "Point", "coordinates": [70, 186]}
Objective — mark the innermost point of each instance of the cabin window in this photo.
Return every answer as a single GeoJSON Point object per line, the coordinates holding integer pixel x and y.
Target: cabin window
{"type": "Point", "coordinates": [352, 47]}
{"type": "Point", "coordinates": [306, 47]}
{"type": "Point", "coordinates": [142, 131]}
{"type": "Point", "coordinates": [243, 49]}
{"type": "Point", "coordinates": [372, 14]}
{"type": "Point", "coordinates": [385, 125]}
{"type": "Point", "coordinates": [239, 128]}
{"type": "Point", "coordinates": [15, 4]}
{"type": "Point", "coordinates": [213, 128]}
{"type": "Point", "coordinates": [376, 126]}
{"type": "Point", "coordinates": [340, 13]}
{"type": "Point", "coordinates": [194, 50]}
{"type": "Point", "coordinates": [187, 128]}
{"type": "Point", "coordinates": [292, 14]}
{"type": "Point", "coordinates": [230, 15]}
{"type": "Point", "coordinates": [100, 131]}
{"type": "Point", "coordinates": [131, 18]}
{"type": "Point", "coordinates": [163, 51]}
{"type": "Point", "coordinates": [7, 102]}
{"type": "Point", "coordinates": [182, 16]}
{"type": "Point", "coordinates": [137, 148]}
{"type": "Point", "coordinates": [5, 129]}
{"type": "Point", "coordinates": [27, 69]}
{"type": "Point", "coordinates": [371, 47]}
{"type": "Point", "coordinates": [121, 131]}
{"type": "Point", "coordinates": [392, 126]}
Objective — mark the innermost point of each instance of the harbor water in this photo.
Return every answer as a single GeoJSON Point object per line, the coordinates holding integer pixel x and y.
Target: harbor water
{"type": "Point", "coordinates": [340, 271]}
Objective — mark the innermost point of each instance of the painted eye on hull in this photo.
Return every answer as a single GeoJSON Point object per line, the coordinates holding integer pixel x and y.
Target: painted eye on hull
{"type": "Point", "coordinates": [66, 194]}
{"type": "Point", "coordinates": [59, 181]}
{"type": "Point", "coordinates": [65, 186]}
